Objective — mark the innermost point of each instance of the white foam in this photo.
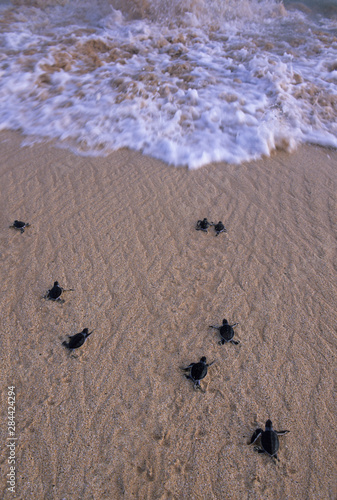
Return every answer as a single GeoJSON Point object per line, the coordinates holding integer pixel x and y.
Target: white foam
{"type": "Point", "coordinates": [188, 94]}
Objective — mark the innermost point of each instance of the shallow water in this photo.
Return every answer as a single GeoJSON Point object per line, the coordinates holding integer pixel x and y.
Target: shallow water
{"type": "Point", "coordinates": [186, 82]}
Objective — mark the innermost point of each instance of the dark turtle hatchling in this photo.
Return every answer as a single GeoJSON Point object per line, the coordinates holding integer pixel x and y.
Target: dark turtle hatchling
{"type": "Point", "coordinates": [75, 341]}
{"type": "Point", "coordinates": [269, 442]}
{"type": "Point", "coordinates": [203, 225]}
{"type": "Point", "coordinates": [219, 228]}
{"type": "Point", "coordinates": [226, 332]}
{"type": "Point", "coordinates": [55, 292]}
{"type": "Point", "coordinates": [197, 371]}
{"type": "Point", "coordinates": [19, 224]}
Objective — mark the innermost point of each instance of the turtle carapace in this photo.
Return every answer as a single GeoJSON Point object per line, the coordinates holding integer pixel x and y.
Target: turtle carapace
{"type": "Point", "coordinates": [219, 228]}
{"type": "Point", "coordinates": [226, 332]}
{"type": "Point", "coordinates": [203, 225]}
{"type": "Point", "coordinates": [269, 442]}
{"type": "Point", "coordinates": [19, 224]}
{"type": "Point", "coordinates": [75, 341]}
{"type": "Point", "coordinates": [197, 371]}
{"type": "Point", "coordinates": [55, 292]}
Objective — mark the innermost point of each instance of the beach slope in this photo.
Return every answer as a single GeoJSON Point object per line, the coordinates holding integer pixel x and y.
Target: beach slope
{"type": "Point", "coordinates": [119, 420]}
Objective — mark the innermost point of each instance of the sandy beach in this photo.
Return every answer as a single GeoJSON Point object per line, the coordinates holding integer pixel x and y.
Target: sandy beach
{"type": "Point", "coordinates": [120, 420]}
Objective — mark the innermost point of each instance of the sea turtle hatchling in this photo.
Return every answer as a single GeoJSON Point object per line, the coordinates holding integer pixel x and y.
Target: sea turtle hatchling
{"type": "Point", "coordinates": [55, 292]}
{"type": "Point", "coordinates": [226, 332]}
{"type": "Point", "coordinates": [19, 224]}
{"type": "Point", "coordinates": [203, 225]}
{"type": "Point", "coordinates": [75, 341]}
{"type": "Point", "coordinates": [269, 442]}
{"type": "Point", "coordinates": [197, 371]}
{"type": "Point", "coordinates": [219, 228]}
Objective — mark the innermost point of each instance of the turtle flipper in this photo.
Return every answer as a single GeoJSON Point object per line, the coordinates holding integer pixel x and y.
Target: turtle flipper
{"type": "Point", "coordinates": [255, 435]}
{"type": "Point", "coordinates": [198, 226]}
{"type": "Point", "coordinates": [281, 433]}
{"type": "Point", "coordinates": [197, 386]}
{"type": "Point", "coordinates": [196, 382]}
{"type": "Point", "coordinates": [187, 368]}
{"type": "Point", "coordinates": [48, 297]}
{"type": "Point", "coordinates": [236, 342]}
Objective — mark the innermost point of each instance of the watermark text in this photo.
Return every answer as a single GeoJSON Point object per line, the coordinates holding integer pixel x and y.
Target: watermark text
{"type": "Point", "coordinates": [11, 439]}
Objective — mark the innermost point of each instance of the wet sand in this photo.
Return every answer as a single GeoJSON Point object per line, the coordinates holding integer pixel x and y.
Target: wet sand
{"type": "Point", "coordinates": [120, 421]}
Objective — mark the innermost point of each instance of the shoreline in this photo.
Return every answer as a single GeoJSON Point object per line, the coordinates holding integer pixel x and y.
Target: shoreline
{"type": "Point", "coordinates": [120, 420]}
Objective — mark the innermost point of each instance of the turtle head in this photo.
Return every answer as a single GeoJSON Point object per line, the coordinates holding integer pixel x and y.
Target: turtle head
{"type": "Point", "coordinates": [56, 283]}
{"type": "Point", "coordinates": [269, 425]}
{"type": "Point", "coordinates": [85, 331]}
{"type": "Point", "coordinates": [203, 359]}
{"type": "Point", "coordinates": [224, 322]}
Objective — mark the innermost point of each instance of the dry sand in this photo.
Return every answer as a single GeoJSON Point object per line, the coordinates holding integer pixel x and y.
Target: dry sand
{"type": "Point", "coordinates": [120, 421]}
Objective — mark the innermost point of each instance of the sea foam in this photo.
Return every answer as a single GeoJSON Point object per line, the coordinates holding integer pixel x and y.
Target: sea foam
{"type": "Point", "coordinates": [187, 83]}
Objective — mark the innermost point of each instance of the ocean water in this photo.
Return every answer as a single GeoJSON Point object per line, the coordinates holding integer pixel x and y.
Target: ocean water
{"type": "Point", "coordinates": [188, 82]}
